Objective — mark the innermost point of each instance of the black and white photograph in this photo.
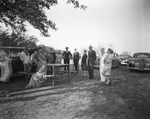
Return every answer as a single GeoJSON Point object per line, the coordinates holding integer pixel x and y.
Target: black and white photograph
{"type": "Point", "coordinates": [74, 59]}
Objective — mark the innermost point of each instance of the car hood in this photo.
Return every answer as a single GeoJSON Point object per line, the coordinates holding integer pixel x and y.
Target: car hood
{"type": "Point", "coordinates": [123, 58]}
{"type": "Point", "coordinates": [137, 59]}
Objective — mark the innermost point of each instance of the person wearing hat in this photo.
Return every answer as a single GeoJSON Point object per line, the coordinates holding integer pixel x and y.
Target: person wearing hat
{"type": "Point", "coordinates": [67, 56]}
{"type": "Point", "coordinates": [91, 61]}
{"type": "Point", "coordinates": [105, 66]}
{"type": "Point", "coordinates": [76, 57]}
{"type": "Point", "coordinates": [84, 62]}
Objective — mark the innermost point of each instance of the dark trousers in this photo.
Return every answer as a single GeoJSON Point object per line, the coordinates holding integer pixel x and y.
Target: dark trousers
{"type": "Point", "coordinates": [91, 70]}
{"type": "Point", "coordinates": [66, 61]}
{"type": "Point", "coordinates": [27, 68]}
{"type": "Point", "coordinates": [76, 63]}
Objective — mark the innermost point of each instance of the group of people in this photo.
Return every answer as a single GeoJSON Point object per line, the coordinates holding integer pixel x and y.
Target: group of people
{"type": "Point", "coordinates": [88, 62]}
{"type": "Point", "coordinates": [37, 58]}
{"type": "Point", "coordinates": [40, 58]}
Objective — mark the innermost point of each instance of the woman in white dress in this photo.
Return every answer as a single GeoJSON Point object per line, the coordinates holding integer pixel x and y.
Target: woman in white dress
{"type": "Point", "coordinates": [105, 66]}
{"type": "Point", "coordinates": [6, 69]}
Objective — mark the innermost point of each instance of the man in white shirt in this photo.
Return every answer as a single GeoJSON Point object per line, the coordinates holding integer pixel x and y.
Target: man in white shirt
{"type": "Point", "coordinates": [25, 57]}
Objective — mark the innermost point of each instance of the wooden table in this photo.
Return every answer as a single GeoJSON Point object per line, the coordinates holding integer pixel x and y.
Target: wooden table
{"type": "Point", "coordinates": [54, 66]}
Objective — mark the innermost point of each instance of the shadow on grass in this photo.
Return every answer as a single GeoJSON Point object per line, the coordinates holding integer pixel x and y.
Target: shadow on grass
{"type": "Point", "coordinates": [63, 89]}
{"type": "Point", "coordinates": [126, 99]}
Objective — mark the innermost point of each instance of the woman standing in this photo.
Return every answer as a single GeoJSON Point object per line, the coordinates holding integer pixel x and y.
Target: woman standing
{"type": "Point", "coordinates": [84, 62]}
{"type": "Point", "coordinates": [6, 69]}
{"type": "Point", "coordinates": [58, 57]}
{"type": "Point", "coordinates": [105, 66]}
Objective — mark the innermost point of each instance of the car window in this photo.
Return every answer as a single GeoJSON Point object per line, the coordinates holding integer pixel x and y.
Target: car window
{"type": "Point", "coordinates": [141, 55]}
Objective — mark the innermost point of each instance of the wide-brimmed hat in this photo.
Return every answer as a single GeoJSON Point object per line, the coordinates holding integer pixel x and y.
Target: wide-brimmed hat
{"type": "Point", "coordinates": [110, 50]}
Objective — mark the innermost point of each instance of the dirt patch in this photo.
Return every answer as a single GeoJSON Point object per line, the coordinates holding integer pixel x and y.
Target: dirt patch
{"type": "Point", "coordinates": [127, 98]}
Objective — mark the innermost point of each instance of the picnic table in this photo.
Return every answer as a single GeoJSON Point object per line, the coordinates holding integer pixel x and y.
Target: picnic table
{"type": "Point", "coordinates": [55, 69]}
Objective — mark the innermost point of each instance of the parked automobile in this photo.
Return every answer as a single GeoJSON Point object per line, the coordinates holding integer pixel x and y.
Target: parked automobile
{"type": "Point", "coordinates": [115, 61]}
{"type": "Point", "coordinates": [140, 61]}
{"type": "Point", "coordinates": [14, 55]}
{"type": "Point", "coordinates": [124, 58]}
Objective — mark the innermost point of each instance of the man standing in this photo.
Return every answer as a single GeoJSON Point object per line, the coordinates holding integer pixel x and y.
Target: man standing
{"type": "Point", "coordinates": [67, 56]}
{"type": "Point", "coordinates": [91, 61]}
{"type": "Point", "coordinates": [76, 58]}
{"type": "Point", "coordinates": [24, 57]}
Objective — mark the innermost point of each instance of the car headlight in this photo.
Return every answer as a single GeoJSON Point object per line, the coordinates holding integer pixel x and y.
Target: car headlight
{"type": "Point", "coordinates": [147, 64]}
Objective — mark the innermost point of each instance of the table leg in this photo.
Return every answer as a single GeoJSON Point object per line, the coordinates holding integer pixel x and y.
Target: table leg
{"type": "Point", "coordinates": [68, 73]}
{"type": "Point", "coordinates": [53, 81]}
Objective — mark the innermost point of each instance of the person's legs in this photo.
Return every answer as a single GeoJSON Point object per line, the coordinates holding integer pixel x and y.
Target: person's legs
{"type": "Point", "coordinates": [26, 71]}
{"type": "Point", "coordinates": [65, 63]}
{"type": "Point", "coordinates": [76, 65]}
{"type": "Point", "coordinates": [102, 77]}
{"type": "Point", "coordinates": [89, 70]}
{"type": "Point", "coordinates": [92, 71]}
{"type": "Point", "coordinates": [107, 80]}
{"type": "Point", "coordinates": [84, 73]}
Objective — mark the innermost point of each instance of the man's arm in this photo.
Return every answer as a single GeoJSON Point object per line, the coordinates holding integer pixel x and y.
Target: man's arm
{"type": "Point", "coordinates": [70, 54]}
{"type": "Point", "coordinates": [63, 55]}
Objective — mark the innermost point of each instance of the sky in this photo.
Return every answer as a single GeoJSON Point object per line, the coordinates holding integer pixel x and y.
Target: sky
{"type": "Point", "coordinates": [123, 25]}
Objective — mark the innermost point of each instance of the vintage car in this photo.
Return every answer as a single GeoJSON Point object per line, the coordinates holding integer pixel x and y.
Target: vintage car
{"type": "Point", "coordinates": [140, 61]}
{"type": "Point", "coordinates": [16, 63]}
{"type": "Point", "coordinates": [124, 58]}
{"type": "Point", "coordinates": [13, 53]}
{"type": "Point", "coordinates": [115, 61]}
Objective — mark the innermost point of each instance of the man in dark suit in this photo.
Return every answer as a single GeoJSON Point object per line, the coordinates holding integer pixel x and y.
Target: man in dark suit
{"type": "Point", "coordinates": [76, 58]}
{"type": "Point", "coordinates": [67, 56]}
{"type": "Point", "coordinates": [91, 61]}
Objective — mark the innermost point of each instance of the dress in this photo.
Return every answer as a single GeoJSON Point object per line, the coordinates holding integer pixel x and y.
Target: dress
{"type": "Point", "coordinates": [105, 66]}
{"type": "Point", "coordinates": [91, 61]}
{"type": "Point", "coordinates": [6, 69]}
{"type": "Point", "coordinates": [38, 78]}
{"type": "Point", "coordinates": [84, 62]}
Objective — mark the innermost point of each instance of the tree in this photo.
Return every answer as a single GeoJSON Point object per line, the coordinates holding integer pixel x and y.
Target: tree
{"type": "Point", "coordinates": [15, 13]}
{"type": "Point", "coordinates": [17, 39]}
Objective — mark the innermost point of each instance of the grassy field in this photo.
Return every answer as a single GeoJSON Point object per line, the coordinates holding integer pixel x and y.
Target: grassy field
{"type": "Point", "coordinates": [81, 98]}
